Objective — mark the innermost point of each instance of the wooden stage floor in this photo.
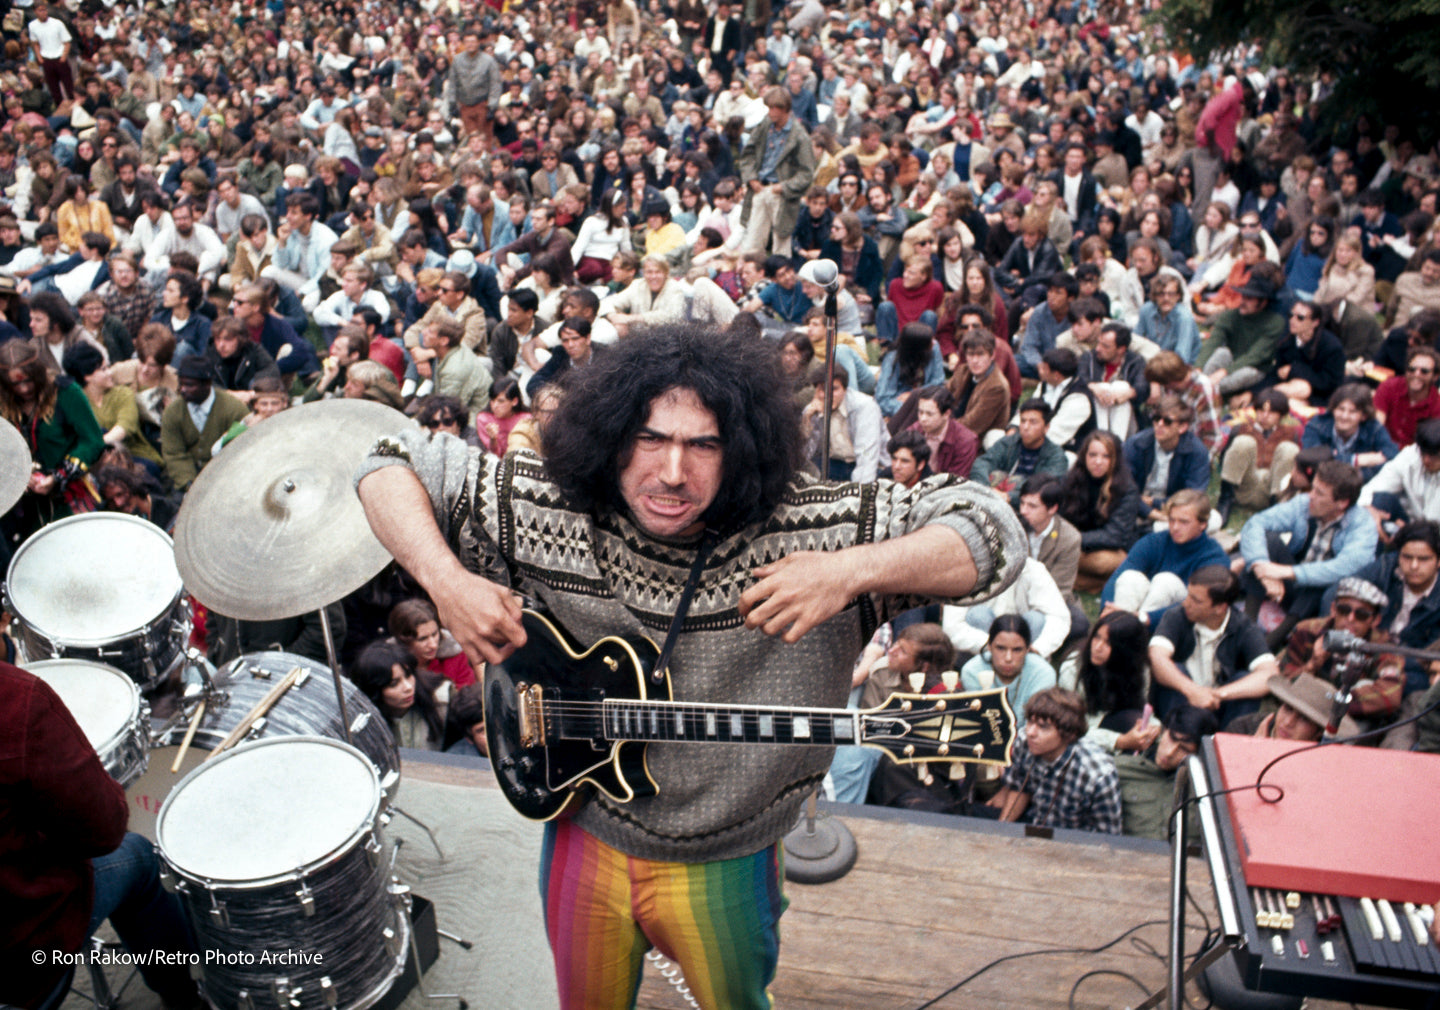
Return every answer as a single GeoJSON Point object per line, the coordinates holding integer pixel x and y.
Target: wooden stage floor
{"type": "Point", "coordinates": [931, 902]}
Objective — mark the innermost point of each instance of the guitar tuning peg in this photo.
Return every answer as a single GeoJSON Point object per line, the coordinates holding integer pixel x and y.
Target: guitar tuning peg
{"type": "Point", "coordinates": [923, 770]}
{"type": "Point", "coordinates": [917, 681]}
{"type": "Point", "coordinates": [950, 679]}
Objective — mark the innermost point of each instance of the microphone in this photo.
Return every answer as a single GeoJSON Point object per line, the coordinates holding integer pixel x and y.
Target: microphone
{"type": "Point", "coordinates": [822, 273]}
{"type": "Point", "coordinates": [1343, 641]}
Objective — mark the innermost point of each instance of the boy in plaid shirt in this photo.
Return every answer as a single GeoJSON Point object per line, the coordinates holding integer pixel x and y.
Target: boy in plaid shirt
{"type": "Point", "coordinates": [1058, 779]}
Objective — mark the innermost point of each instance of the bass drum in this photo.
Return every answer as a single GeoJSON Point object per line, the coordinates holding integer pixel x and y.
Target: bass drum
{"type": "Point", "coordinates": [103, 587]}
{"type": "Point", "coordinates": [307, 709]}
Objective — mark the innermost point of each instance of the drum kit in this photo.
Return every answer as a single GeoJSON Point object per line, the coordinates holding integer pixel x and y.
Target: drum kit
{"type": "Point", "coordinates": [267, 789]}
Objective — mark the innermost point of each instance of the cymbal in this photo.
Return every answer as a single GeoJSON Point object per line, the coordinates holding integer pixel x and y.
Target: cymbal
{"type": "Point", "coordinates": [15, 465]}
{"type": "Point", "coordinates": [272, 527]}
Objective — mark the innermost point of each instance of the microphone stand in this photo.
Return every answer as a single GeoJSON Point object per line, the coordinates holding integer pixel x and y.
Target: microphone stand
{"type": "Point", "coordinates": [820, 848]}
{"type": "Point", "coordinates": [832, 313]}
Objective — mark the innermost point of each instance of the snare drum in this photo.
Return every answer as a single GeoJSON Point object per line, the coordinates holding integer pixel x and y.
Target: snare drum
{"type": "Point", "coordinates": [307, 709]}
{"type": "Point", "coordinates": [109, 709]}
{"type": "Point", "coordinates": [274, 849]}
{"type": "Point", "coordinates": [101, 586]}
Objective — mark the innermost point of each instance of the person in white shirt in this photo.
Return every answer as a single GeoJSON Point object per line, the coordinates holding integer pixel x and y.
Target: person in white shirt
{"type": "Point", "coordinates": [188, 235]}
{"type": "Point", "coordinates": [355, 293]}
{"type": "Point", "coordinates": [50, 40]}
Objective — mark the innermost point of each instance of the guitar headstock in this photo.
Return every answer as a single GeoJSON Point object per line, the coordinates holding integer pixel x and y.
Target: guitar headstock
{"type": "Point", "coordinates": [976, 728]}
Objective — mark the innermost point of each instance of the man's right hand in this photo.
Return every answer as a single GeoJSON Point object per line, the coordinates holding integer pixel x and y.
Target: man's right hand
{"type": "Point", "coordinates": [483, 617]}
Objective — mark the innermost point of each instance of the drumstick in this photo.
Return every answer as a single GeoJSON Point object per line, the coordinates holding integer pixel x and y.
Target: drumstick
{"type": "Point", "coordinates": [189, 735]}
{"type": "Point", "coordinates": [263, 706]}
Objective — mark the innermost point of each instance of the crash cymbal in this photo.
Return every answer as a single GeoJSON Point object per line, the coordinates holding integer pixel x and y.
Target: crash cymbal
{"type": "Point", "coordinates": [15, 465]}
{"type": "Point", "coordinates": [272, 527]}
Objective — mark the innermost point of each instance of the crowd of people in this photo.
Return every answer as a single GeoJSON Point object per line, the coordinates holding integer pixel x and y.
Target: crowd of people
{"type": "Point", "coordinates": [1140, 296]}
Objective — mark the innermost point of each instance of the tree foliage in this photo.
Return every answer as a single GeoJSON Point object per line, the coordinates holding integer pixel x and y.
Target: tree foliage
{"type": "Point", "coordinates": [1384, 54]}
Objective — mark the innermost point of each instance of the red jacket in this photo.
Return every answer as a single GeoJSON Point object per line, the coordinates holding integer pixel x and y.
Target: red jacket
{"type": "Point", "coordinates": [957, 452]}
{"type": "Point", "coordinates": [58, 809]}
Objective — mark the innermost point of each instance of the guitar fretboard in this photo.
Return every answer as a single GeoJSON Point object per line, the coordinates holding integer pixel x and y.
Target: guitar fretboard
{"type": "Point", "coordinates": [681, 723]}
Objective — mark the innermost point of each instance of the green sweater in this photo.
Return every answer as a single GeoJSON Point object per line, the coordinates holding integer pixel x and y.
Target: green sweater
{"type": "Point", "coordinates": [600, 575]}
{"type": "Point", "coordinates": [1253, 340]}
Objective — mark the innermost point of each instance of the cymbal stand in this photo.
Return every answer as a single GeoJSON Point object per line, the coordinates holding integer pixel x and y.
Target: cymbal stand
{"type": "Point", "coordinates": [335, 673]}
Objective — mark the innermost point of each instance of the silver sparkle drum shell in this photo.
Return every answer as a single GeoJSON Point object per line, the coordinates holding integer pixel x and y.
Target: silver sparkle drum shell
{"type": "Point", "coordinates": [275, 848]}
{"type": "Point", "coordinates": [308, 709]}
{"type": "Point", "coordinates": [103, 587]}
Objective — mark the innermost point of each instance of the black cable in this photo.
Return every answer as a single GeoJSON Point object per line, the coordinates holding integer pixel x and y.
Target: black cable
{"type": "Point", "coordinates": [1105, 971]}
{"type": "Point", "coordinates": [1033, 953]}
{"type": "Point", "coordinates": [1260, 785]}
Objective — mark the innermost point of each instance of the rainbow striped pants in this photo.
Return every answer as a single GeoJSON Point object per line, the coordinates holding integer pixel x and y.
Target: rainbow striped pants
{"type": "Point", "coordinates": [603, 910]}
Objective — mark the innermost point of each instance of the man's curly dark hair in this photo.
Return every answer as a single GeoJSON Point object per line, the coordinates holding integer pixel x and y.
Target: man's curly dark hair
{"type": "Point", "coordinates": [738, 378]}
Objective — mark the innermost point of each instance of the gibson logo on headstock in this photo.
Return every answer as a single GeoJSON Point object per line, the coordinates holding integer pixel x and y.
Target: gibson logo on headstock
{"type": "Point", "coordinates": [997, 734]}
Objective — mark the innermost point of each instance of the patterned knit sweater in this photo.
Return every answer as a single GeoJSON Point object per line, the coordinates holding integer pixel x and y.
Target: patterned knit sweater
{"type": "Point", "coordinates": [599, 575]}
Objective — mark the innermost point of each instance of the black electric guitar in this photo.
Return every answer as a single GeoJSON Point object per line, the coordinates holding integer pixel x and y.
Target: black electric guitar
{"type": "Point", "coordinates": [557, 718]}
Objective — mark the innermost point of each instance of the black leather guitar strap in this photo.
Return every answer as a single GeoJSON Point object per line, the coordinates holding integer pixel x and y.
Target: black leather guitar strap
{"type": "Point", "coordinates": [702, 554]}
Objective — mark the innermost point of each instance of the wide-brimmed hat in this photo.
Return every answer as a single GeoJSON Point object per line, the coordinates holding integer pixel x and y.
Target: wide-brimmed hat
{"type": "Point", "coordinates": [1258, 287]}
{"type": "Point", "coordinates": [462, 261]}
{"type": "Point", "coordinates": [1001, 121]}
{"type": "Point", "coordinates": [1310, 696]}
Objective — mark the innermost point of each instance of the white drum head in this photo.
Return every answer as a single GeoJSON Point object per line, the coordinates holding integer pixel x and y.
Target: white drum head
{"type": "Point", "coordinates": [91, 579]}
{"type": "Point", "coordinates": [103, 700]}
{"type": "Point", "coordinates": [267, 809]}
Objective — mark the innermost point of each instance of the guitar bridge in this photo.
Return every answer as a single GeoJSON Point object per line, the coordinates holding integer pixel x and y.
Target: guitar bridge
{"type": "Point", "coordinates": [531, 712]}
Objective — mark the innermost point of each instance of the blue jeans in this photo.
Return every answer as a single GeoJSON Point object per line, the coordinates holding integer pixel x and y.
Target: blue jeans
{"type": "Point", "coordinates": [144, 914]}
{"type": "Point", "coordinates": [887, 322]}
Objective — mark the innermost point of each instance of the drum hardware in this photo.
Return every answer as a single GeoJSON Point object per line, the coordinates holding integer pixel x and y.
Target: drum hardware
{"type": "Point", "coordinates": [294, 678]}
{"type": "Point", "coordinates": [400, 893]}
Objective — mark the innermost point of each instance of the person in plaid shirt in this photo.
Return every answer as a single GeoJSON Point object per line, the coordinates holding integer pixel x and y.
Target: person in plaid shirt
{"type": "Point", "coordinates": [1168, 373]}
{"type": "Point", "coordinates": [1057, 779]}
{"type": "Point", "coordinates": [126, 295]}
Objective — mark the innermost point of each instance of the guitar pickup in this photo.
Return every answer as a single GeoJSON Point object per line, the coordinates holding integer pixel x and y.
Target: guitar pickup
{"type": "Point", "coordinates": [530, 713]}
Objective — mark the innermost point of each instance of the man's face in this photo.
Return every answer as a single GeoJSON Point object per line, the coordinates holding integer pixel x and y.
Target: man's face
{"type": "Point", "coordinates": [1143, 260]}
{"type": "Point", "coordinates": [1059, 301]}
{"type": "Point", "coordinates": [978, 362]}
{"type": "Point", "coordinates": [1167, 296]}
{"type": "Point", "coordinates": [1198, 607]}
{"type": "Point", "coordinates": [122, 273]}
{"type": "Point", "coordinates": [193, 390]}
{"type": "Point", "coordinates": [1185, 525]}
{"type": "Point", "coordinates": [296, 219]}
{"type": "Point", "coordinates": [1168, 431]}
{"type": "Point", "coordinates": [932, 420]}
{"type": "Point", "coordinates": [1043, 740]}
{"type": "Point", "coordinates": [1418, 564]}
{"type": "Point", "coordinates": [1291, 725]}
{"type": "Point", "coordinates": [1172, 751]}
{"type": "Point", "coordinates": [1420, 374]}
{"type": "Point", "coordinates": [451, 294]}
{"type": "Point", "coordinates": [227, 345]}
{"type": "Point", "coordinates": [1035, 512]}
{"type": "Point", "coordinates": [1083, 330]}
{"type": "Point", "coordinates": [230, 194]}
{"type": "Point", "coordinates": [1074, 161]}
{"type": "Point", "coordinates": [519, 319]}
{"type": "Point", "coordinates": [778, 115]}
{"type": "Point", "coordinates": [119, 499]}
{"type": "Point", "coordinates": [901, 657]}
{"type": "Point", "coordinates": [904, 467]}
{"type": "Point", "coordinates": [576, 345]}
{"type": "Point", "coordinates": [1323, 503]}
{"type": "Point", "coordinates": [1106, 350]}
{"type": "Point", "coordinates": [1355, 616]}
{"type": "Point", "coordinates": [672, 472]}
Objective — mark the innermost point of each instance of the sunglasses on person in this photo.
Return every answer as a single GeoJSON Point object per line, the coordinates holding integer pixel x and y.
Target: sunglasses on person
{"type": "Point", "coordinates": [435, 424]}
{"type": "Point", "coordinates": [1351, 610]}
{"type": "Point", "coordinates": [1167, 420]}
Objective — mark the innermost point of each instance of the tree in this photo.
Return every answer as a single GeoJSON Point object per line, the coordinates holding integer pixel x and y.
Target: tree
{"type": "Point", "coordinates": [1384, 55]}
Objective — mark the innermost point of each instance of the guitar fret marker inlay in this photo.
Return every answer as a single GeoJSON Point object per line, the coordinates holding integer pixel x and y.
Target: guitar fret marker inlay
{"type": "Point", "coordinates": [679, 722]}
{"type": "Point", "coordinates": [767, 725]}
{"type": "Point", "coordinates": [800, 727]}
{"type": "Point", "coordinates": [737, 725]}
{"type": "Point", "coordinates": [843, 730]}
{"type": "Point", "coordinates": [710, 724]}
